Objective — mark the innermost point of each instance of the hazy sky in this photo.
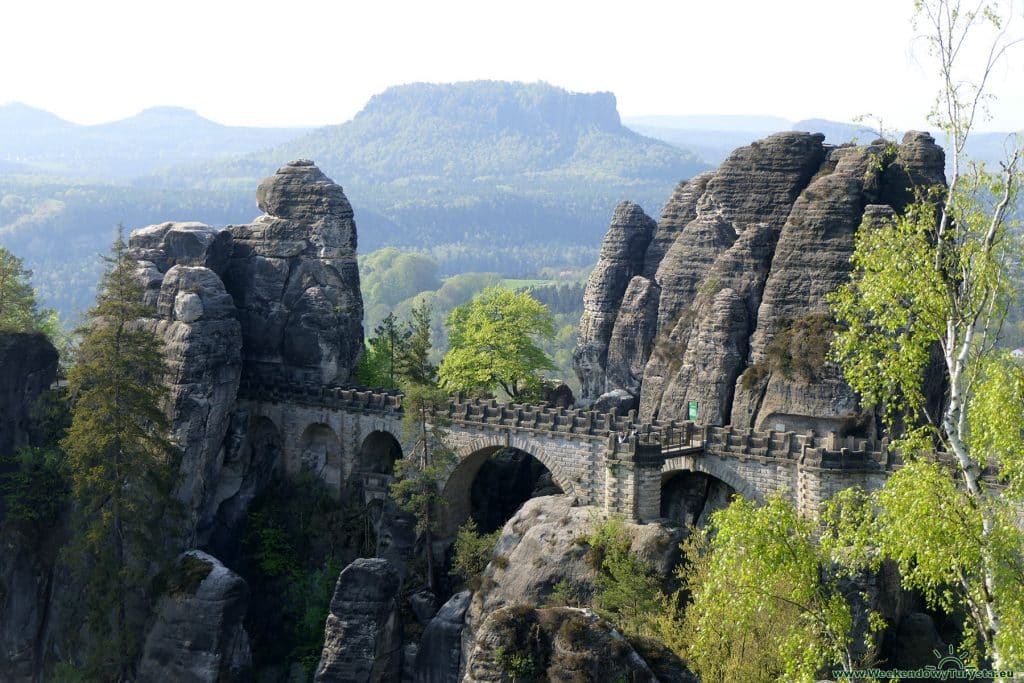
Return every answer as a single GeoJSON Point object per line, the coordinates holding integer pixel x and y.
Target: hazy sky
{"type": "Point", "coordinates": [299, 62]}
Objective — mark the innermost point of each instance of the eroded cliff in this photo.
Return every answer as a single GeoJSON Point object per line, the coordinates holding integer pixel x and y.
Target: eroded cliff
{"type": "Point", "coordinates": [728, 308]}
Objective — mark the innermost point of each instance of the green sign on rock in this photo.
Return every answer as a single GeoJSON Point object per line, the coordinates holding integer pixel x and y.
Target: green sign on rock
{"type": "Point", "coordinates": [692, 412]}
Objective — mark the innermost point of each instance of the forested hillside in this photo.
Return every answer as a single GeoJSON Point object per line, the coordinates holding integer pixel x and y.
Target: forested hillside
{"type": "Point", "coordinates": [484, 176]}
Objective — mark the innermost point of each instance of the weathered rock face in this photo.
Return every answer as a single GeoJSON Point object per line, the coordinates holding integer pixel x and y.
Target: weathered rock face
{"type": "Point", "coordinates": [439, 655]}
{"type": "Point", "coordinates": [362, 639]}
{"type": "Point", "coordinates": [743, 256]}
{"type": "Point", "coordinates": [622, 257]}
{"type": "Point", "coordinates": [28, 366]}
{"type": "Point", "coordinates": [203, 342]}
{"type": "Point", "coordinates": [182, 244]}
{"type": "Point", "coordinates": [198, 636]}
{"type": "Point", "coordinates": [540, 546]}
{"type": "Point", "coordinates": [294, 279]}
{"type": "Point", "coordinates": [558, 644]}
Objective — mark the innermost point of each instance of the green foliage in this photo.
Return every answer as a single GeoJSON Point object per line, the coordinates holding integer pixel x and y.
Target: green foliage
{"type": "Point", "coordinates": [379, 364]}
{"type": "Point", "coordinates": [18, 310]}
{"type": "Point", "coordinates": [308, 601]}
{"type": "Point", "coordinates": [473, 551]}
{"type": "Point", "coordinates": [33, 486]}
{"type": "Point", "coordinates": [414, 366]}
{"type": "Point", "coordinates": [628, 591]}
{"type": "Point", "coordinates": [763, 606]}
{"type": "Point", "coordinates": [892, 311]}
{"type": "Point", "coordinates": [492, 345]}
{"type": "Point", "coordinates": [800, 349]}
{"type": "Point", "coordinates": [298, 536]}
{"type": "Point", "coordinates": [389, 276]}
{"type": "Point", "coordinates": [122, 468]}
{"type": "Point", "coordinates": [187, 575]}
{"type": "Point", "coordinates": [420, 475]}
{"type": "Point", "coordinates": [939, 279]}
{"type": "Point", "coordinates": [518, 666]}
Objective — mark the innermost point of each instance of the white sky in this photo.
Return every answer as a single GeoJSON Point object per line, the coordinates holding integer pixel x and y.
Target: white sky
{"type": "Point", "coordinates": [306, 62]}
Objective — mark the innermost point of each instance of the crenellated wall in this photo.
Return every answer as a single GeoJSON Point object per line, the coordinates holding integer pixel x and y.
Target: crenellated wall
{"type": "Point", "coordinates": [602, 459]}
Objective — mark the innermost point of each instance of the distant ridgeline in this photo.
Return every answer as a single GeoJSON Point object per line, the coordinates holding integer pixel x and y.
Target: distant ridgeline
{"type": "Point", "coordinates": [480, 174]}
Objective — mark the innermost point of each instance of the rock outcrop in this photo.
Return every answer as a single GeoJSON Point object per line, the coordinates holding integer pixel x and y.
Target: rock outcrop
{"type": "Point", "coordinates": [198, 636]}
{"type": "Point", "coordinates": [540, 547]}
{"type": "Point", "coordinates": [439, 656]}
{"type": "Point", "coordinates": [559, 644]}
{"type": "Point", "coordinates": [196, 319]}
{"type": "Point", "coordinates": [734, 280]}
{"type": "Point", "coordinates": [622, 257]}
{"type": "Point", "coordinates": [28, 366]}
{"type": "Point", "coordinates": [295, 281]}
{"type": "Point", "coordinates": [362, 638]}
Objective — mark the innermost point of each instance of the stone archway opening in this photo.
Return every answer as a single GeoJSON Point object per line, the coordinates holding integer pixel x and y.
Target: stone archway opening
{"type": "Point", "coordinates": [320, 454]}
{"type": "Point", "coordinates": [374, 466]}
{"type": "Point", "coordinates": [378, 453]}
{"type": "Point", "coordinates": [689, 498]}
{"type": "Point", "coordinates": [491, 484]}
{"type": "Point", "coordinates": [505, 481]}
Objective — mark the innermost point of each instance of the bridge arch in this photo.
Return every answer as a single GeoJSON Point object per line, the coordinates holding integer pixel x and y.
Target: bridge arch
{"type": "Point", "coordinates": [320, 453]}
{"type": "Point", "coordinates": [713, 468]}
{"type": "Point", "coordinates": [472, 455]}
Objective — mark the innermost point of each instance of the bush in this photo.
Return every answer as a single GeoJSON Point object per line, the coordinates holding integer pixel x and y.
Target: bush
{"type": "Point", "coordinates": [34, 486]}
{"type": "Point", "coordinates": [472, 553]}
{"type": "Point", "coordinates": [800, 349]}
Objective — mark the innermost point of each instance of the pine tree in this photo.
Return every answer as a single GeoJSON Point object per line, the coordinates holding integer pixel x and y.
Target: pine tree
{"type": "Point", "coordinates": [18, 310]}
{"type": "Point", "coordinates": [122, 466]}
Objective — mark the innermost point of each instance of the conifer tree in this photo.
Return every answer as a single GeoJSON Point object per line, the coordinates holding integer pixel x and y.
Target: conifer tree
{"type": "Point", "coordinates": [121, 464]}
{"type": "Point", "coordinates": [18, 310]}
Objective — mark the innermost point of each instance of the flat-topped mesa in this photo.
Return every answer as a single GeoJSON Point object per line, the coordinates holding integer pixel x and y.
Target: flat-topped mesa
{"type": "Point", "coordinates": [295, 281]}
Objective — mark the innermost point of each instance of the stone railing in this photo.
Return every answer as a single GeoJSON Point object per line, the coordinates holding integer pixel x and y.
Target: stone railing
{"type": "Point", "coordinates": [353, 399]}
{"type": "Point", "coordinates": [623, 434]}
{"type": "Point", "coordinates": [810, 449]}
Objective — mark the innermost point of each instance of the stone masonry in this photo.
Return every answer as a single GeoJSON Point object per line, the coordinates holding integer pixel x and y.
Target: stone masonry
{"type": "Point", "coordinates": [324, 428]}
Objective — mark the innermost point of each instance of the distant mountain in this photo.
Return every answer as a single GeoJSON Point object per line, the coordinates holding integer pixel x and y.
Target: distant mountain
{"type": "Point", "coordinates": [482, 163]}
{"type": "Point", "coordinates": [485, 176]}
{"type": "Point", "coordinates": [40, 142]}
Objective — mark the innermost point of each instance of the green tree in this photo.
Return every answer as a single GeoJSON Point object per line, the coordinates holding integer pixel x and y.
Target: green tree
{"type": "Point", "coordinates": [765, 603]}
{"type": "Point", "coordinates": [492, 344]}
{"type": "Point", "coordinates": [122, 466]}
{"type": "Point", "coordinates": [628, 591]}
{"type": "Point", "coordinates": [18, 310]}
{"type": "Point", "coordinates": [938, 277]}
{"type": "Point", "coordinates": [414, 366]}
{"type": "Point", "coordinates": [378, 366]}
{"type": "Point", "coordinates": [421, 474]}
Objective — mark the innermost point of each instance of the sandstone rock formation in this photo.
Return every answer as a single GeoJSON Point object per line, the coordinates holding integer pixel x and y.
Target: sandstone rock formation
{"type": "Point", "coordinates": [362, 639]}
{"type": "Point", "coordinates": [295, 281]}
{"type": "Point", "coordinates": [198, 636]}
{"type": "Point", "coordinates": [540, 547]}
{"type": "Point", "coordinates": [28, 366]}
{"type": "Point", "coordinates": [439, 656]}
{"type": "Point", "coordinates": [559, 644]}
{"type": "Point", "coordinates": [622, 257]}
{"type": "Point", "coordinates": [733, 284]}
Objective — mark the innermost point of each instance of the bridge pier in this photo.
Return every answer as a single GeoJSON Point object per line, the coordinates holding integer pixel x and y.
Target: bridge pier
{"type": "Point", "coordinates": [633, 479]}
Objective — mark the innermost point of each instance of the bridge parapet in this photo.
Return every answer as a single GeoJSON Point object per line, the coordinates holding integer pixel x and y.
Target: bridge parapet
{"type": "Point", "coordinates": [353, 399]}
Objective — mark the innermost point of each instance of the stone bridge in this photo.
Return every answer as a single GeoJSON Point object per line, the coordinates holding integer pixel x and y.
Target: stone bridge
{"type": "Point", "coordinates": [346, 434]}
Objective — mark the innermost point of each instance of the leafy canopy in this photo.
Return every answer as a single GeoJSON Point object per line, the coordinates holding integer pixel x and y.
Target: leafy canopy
{"type": "Point", "coordinates": [492, 344]}
{"type": "Point", "coordinates": [937, 282]}
{"type": "Point", "coordinates": [765, 602]}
